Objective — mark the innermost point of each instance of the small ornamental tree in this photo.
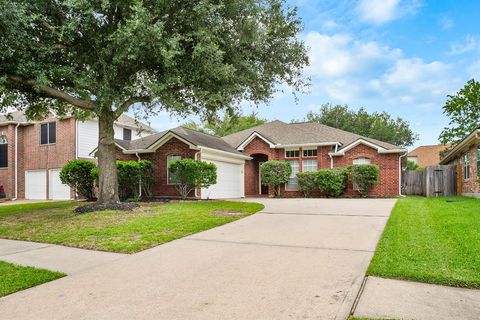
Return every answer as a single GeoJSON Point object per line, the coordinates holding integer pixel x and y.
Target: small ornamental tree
{"type": "Point", "coordinates": [276, 173]}
{"type": "Point", "coordinates": [77, 174]}
{"type": "Point", "coordinates": [363, 176]}
{"type": "Point", "coordinates": [412, 166]}
{"type": "Point", "coordinates": [189, 174]}
{"type": "Point", "coordinates": [332, 182]}
{"type": "Point", "coordinates": [307, 182]}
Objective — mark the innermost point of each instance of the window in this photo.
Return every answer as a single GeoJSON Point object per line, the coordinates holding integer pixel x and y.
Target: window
{"type": "Point", "coordinates": [310, 152]}
{"type": "Point", "coordinates": [3, 151]}
{"type": "Point", "coordinates": [293, 181]}
{"type": "Point", "coordinates": [127, 134]}
{"type": "Point", "coordinates": [48, 133]}
{"type": "Point", "coordinates": [478, 160]}
{"type": "Point", "coordinates": [466, 166]}
{"type": "Point", "coordinates": [309, 165]}
{"type": "Point", "coordinates": [361, 161]}
{"type": "Point", "coordinates": [292, 153]}
{"type": "Point", "coordinates": [169, 173]}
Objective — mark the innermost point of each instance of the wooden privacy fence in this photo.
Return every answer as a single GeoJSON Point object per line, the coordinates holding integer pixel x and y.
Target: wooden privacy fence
{"type": "Point", "coordinates": [433, 181]}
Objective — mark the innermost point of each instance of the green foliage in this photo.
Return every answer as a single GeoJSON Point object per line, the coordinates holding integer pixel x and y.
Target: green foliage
{"type": "Point", "coordinates": [463, 109]}
{"type": "Point", "coordinates": [276, 173]}
{"type": "Point", "coordinates": [376, 125]}
{"type": "Point", "coordinates": [230, 123]}
{"type": "Point", "coordinates": [77, 174]}
{"type": "Point", "coordinates": [363, 176]}
{"type": "Point", "coordinates": [189, 174]}
{"type": "Point", "coordinates": [130, 174]}
{"type": "Point", "coordinates": [412, 166]}
{"type": "Point", "coordinates": [332, 182]}
{"type": "Point", "coordinates": [307, 182]}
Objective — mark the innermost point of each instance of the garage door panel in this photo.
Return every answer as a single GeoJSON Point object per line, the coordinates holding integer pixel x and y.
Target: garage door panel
{"type": "Point", "coordinates": [57, 190]}
{"type": "Point", "coordinates": [36, 184]}
{"type": "Point", "coordinates": [229, 181]}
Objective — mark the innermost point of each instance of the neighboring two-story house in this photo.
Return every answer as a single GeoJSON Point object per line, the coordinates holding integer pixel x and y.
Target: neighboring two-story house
{"type": "Point", "coordinates": [32, 153]}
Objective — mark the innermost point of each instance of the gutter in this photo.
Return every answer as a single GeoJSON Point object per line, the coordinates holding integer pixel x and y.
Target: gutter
{"type": "Point", "coordinates": [16, 161]}
{"type": "Point", "coordinates": [331, 156]}
{"type": "Point", "coordinates": [235, 155]}
{"type": "Point", "coordinates": [474, 135]}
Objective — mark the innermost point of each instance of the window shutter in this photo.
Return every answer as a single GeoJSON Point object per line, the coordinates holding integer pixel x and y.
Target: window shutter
{"type": "Point", "coordinates": [44, 133]}
{"type": "Point", "coordinates": [3, 155]}
{"type": "Point", "coordinates": [52, 132]}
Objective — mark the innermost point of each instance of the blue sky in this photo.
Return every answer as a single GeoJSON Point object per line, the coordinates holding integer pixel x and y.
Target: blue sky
{"type": "Point", "coordinates": [403, 57]}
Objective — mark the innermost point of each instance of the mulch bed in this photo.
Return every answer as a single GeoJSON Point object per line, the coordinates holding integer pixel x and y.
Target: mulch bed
{"type": "Point", "coordinates": [122, 206]}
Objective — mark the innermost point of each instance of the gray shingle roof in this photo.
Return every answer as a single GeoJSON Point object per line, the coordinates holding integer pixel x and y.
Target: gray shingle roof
{"type": "Point", "coordinates": [14, 117]}
{"type": "Point", "coordinates": [196, 138]}
{"type": "Point", "coordinates": [282, 133]}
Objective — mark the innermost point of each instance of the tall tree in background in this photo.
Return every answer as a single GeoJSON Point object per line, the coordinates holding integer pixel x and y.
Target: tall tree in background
{"type": "Point", "coordinates": [230, 123]}
{"type": "Point", "coordinates": [463, 109]}
{"type": "Point", "coordinates": [182, 56]}
{"type": "Point", "coordinates": [376, 125]}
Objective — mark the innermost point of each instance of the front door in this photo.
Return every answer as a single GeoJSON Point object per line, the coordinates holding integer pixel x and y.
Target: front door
{"type": "Point", "coordinates": [262, 189]}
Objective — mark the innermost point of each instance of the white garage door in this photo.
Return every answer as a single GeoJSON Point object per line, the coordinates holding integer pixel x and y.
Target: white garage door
{"type": "Point", "coordinates": [36, 184]}
{"type": "Point", "coordinates": [229, 181]}
{"type": "Point", "coordinates": [57, 190]}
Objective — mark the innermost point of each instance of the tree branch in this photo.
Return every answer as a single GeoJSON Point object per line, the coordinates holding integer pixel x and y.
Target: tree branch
{"type": "Point", "coordinates": [125, 105]}
{"type": "Point", "coordinates": [54, 93]}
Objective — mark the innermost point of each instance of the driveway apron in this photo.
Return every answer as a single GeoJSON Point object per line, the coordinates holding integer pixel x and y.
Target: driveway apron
{"type": "Point", "coordinates": [297, 259]}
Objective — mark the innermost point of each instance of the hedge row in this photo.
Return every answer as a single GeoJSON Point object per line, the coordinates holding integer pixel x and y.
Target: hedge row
{"type": "Point", "coordinates": [333, 182]}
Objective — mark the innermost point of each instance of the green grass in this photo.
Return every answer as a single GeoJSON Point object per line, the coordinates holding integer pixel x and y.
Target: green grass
{"type": "Point", "coordinates": [431, 240]}
{"type": "Point", "coordinates": [117, 231]}
{"type": "Point", "coordinates": [14, 278]}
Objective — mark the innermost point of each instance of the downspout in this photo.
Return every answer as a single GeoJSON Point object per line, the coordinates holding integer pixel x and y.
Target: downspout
{"type": "Point", "coordinates": [16, 161]}
{"type": "Point", "coordinates": [196, 189]}
{"type": "Point", "coordinates": [331, 157]}
{"type": "Point", "coordinates": [400, 174]}
{"type": "Point", "coordinates": [139, 179]}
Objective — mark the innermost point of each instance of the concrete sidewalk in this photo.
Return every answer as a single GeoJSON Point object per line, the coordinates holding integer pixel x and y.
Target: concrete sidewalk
{"type": "Point", "coordinates": [52, 257]}
{"type": "Point", "coordinates": [397, 299]}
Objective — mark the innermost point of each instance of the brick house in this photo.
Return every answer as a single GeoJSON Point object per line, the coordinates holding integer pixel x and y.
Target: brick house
{"type": "Point", "coordinates": [466, 156]}
{"type": "Point", "coordinates": [427, 155]}
{"type": "Point", "coordinates": [32, 153]}
{"type": "Point", "coordinates": [307, 146]}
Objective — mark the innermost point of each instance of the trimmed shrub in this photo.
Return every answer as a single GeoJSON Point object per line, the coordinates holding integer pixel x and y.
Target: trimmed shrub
{"type": "Point", "coordinates": [189, 174]}
{"type": "Point", "coordinates": [77, 174]}
{"type": "Point", "coordinates": [332, 182]}
{"type": "Point", "coordinates": [307, 182]}
{"type": "Point", "coordinates": [275, 173]}
{"type": "Point", "coordinates": [363, 176]}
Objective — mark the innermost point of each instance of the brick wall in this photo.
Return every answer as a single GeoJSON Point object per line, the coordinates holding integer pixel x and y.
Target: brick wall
{"type": "Point", "coordinates": [471, 185]}
{"type": "Point", "coordinates": [389, 168]}
{"type": "Point", "coordinates": [7, 175]}
{"type": "Point", "coordinates": [159, 163]}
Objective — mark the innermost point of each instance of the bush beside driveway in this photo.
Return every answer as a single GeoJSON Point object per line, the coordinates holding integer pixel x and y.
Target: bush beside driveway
{"type": "Point", "coordinates": [432, 240]}
{"type": "Point", "coordinates": [117, 231]}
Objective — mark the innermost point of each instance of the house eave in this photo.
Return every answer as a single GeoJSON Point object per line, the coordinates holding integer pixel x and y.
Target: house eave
{"type": "Point", "coordinates": [471, 138]}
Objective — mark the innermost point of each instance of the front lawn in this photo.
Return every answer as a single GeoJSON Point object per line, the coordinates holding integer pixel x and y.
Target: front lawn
{"type": "Point", "coordinates": [14, 278]}
{"type": "Point", "coordinates": [431, 240]}
{"type": "Point", "coordinates": [118, 231]}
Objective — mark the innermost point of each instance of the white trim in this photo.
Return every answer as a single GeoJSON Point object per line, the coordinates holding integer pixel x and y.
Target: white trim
{"type": "Point", "coordinates": [165, 138]}
{"type": "Point", "coordinates": [225, 153]}
{"type": "Point", "coordinates": [367, 143]}
{"type": "Point", "coordinates": [16, 162]}
{"type": "Point", "coordinates": [459, 147]}
{"type": "Point", "coordinates": [251, 137]}
{"type": "Point", "coordinates": [308, 145]}
{"type": "Point", "coordinates": [168, 156]}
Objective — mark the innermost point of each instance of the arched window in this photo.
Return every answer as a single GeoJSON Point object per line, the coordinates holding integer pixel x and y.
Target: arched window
{"type": "Point", "coordinates": [361, 161]}
{"type": "Point", "coordinates": [3, 151]}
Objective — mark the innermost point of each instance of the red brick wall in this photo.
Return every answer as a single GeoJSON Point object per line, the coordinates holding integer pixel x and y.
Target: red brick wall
{"type": "Point", "coordinates": [471, 185]}
{"type": "Point", "coordinates": [388, 184]}
{"type": "Point", "coordinates": [388, 163]}
{"type": "Point", "coordinates": [159, 163]}
{"type": "Point", "coordinates": [7, 175]}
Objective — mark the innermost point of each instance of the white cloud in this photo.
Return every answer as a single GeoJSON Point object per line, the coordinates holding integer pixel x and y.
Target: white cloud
{"type": "Point", "coordinates": [382, 11]}
{"type": "Point", "coordinates": [474, 70]}
{"type": "Point", "coordinates": [446, 22]}
{"type": "Point", "coordinates": [471, 43]}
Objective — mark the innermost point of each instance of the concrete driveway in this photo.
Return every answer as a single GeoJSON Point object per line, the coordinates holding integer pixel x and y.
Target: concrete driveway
{"type": "Point", "coordinates": [298, 259]}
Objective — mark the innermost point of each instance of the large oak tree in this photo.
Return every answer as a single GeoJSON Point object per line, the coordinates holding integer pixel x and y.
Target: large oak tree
{"type": "Point", "coordinates": [101, 57]}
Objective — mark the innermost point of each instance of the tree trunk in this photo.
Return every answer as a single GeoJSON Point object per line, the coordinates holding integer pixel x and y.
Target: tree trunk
{"type": "Point", "coordinates": [107, 176]}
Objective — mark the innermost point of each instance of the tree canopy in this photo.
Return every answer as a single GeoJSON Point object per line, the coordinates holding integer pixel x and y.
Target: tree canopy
{"type": "Point", "coordinates": [463, 109]}
{"type": "Point", "coordinates": [181, 56]}
{"type": "Point", "coordinates": [230, 123]}
{"type": "Point", "coordinates": [377, 125]}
